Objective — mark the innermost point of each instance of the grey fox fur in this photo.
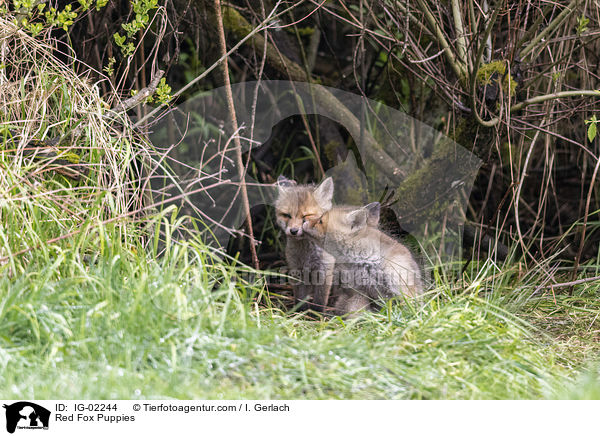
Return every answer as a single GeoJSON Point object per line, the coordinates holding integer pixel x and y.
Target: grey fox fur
{"type": "Point", "coordinates": [369, 265]}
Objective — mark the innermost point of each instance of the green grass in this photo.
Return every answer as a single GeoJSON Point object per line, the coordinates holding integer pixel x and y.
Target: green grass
{"type": "Point", "coordinates": [183, 323]}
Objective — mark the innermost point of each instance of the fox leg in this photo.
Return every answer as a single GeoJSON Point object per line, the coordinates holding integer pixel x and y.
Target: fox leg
{"type": "Point", "coordinates": [313, 293]}
{"type": "Point", "coordinates": [302, 295]}
{"type": "Point", "coordinates": [351, 303]}
{"type": "Point", "coordinates": [323, 290]}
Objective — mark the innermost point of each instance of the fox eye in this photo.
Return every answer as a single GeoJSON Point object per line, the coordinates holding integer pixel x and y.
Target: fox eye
{"type": "Point", "coordinates": [309, 217]}
{"type": "Point", "coordinates": [287, 216]}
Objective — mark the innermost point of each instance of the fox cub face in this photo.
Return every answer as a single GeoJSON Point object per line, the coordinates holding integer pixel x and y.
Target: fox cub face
{"type": "Point", "coordinates": [298, 204]}
{"type": "Point", "coordinates": [343, 222]}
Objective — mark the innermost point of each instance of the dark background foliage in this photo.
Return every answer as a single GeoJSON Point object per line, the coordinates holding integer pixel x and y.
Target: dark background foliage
{"type": "Point", "coordinates": [483, 73]}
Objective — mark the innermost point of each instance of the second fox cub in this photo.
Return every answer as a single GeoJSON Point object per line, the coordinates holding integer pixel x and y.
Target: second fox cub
{"type": "Point", "coordinates": [369, 264]}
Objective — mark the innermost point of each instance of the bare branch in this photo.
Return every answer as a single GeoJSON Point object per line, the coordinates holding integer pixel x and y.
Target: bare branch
{"type": "Point", "coordinates": [142, 95]}
{"type": "Point", "coordinates": [562, 94]}
{"type": "Point", "coordinates": [549, 29]}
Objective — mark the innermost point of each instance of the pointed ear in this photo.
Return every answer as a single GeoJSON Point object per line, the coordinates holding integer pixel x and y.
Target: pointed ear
{"type": "Point", "coordinates": [357, 219]}
{"type": "Point", "coordinates": [284, 183]}
{"type": "Point", "coordinates": [324, 193]}
{"type": "Point", "coordinates": [373, 210]}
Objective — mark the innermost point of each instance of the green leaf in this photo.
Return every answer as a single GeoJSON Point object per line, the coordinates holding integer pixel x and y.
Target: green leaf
{"type": "Point", "coordinates": [119, 40]}
{"type": "Point", "coordinates": [592, 131]}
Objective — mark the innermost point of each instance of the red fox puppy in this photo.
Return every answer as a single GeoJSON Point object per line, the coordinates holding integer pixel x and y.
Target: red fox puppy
{"type": "Point", "coordinates": [369, 264]}
{"type": "Point", "coordinates": [296, 205]}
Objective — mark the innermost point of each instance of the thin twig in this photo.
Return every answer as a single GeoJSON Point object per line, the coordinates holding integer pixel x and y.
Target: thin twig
{"type": "Point", "coordinates": [575, 282]}
{"type": "Point", "coordinates": [234, 126]}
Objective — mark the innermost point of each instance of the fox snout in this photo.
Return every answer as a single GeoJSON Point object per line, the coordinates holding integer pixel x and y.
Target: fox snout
{"type": "Point", "coordinates": [294, 231]}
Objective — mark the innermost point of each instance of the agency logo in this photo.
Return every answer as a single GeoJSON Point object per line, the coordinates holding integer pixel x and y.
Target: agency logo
{"type": "Point", "coordinates": [26, 415]}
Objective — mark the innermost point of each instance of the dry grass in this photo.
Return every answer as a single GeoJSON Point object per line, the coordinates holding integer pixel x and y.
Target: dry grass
{"type": "Point", "coordinates": [67, 162]}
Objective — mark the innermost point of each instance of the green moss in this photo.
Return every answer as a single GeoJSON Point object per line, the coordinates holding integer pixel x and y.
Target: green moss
{"type": "Point", "coordinates": [232, 20]}
{"type": "Point", "coordinates": [302, 31]}
{"type": "Point", "coordinates": [486, 71]}
{"type": "Point", "coordinates": [485, 76]}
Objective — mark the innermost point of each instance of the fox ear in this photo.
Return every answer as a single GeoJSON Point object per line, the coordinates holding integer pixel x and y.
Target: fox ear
{"type": "Point", "coordinates": [357, 219]}
{"type": "Point", "coordinates": [373, 210]}
{"type": "Point", "coordinates": [283, 183]}
{"type": "Point", "coordinates": [324, 193]}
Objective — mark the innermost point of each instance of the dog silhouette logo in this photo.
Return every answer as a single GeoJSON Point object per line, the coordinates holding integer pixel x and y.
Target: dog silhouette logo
{"type": "Point", "coordinates": [26, 415]}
